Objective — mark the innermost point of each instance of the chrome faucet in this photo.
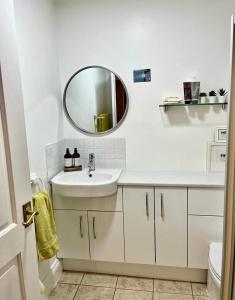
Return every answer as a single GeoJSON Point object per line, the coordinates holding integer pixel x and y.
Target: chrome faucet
{"type": "Point", "coordinates": [91, 163]}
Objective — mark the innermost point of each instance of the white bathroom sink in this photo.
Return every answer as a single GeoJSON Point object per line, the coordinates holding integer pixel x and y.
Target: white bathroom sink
{"type": "Point", "coordinates": [103, 182]}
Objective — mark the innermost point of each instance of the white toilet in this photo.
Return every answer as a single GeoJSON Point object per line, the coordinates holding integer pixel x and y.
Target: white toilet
{"type": "Point", "coordinates": [214, 271]}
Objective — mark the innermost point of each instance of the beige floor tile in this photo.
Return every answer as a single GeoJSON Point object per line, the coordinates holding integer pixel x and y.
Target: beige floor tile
{"type": "Point", "coordinates": [200, 298]}
{"type": "Point", "coordinates": [132, 295]}
{"type": "Point", "coordinates": [132, 283]}
{"type": "Point", "coordinates": [163, 296]}
{"type": "Point", "coordinates": [172, 287]}
{"type": "Point", "coordinates": [99, 280]}
{"type": "Point", "coordinates": [94, 293]}
{"type": "Point", "coordinates": [64, 292]}
{"type": "Point", "coordinates": [199, 289]}
{"type": "Point", "coordinates": [71, 277]}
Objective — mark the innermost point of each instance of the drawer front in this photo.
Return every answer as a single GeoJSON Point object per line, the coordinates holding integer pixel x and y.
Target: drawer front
{"type": "Point", "coordinates": [206, 201]}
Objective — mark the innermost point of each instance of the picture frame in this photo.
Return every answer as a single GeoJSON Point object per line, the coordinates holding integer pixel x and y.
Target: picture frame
{"type": "Point", "coordinates": [221, 134]}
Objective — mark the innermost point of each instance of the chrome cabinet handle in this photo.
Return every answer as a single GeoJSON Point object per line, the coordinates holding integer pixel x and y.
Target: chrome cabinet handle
{"type": "Point", "coordinates": [93, 222]}
{"type": "Point", "coordinates": [147, 204]}
{"type": "Point", "coordinates": [162, 206]}
{"type": "Point", "coordinates": [81, 229]}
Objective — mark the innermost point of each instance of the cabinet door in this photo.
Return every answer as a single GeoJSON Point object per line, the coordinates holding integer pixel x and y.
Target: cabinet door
{"type": "Point", "coordinates": [202, 230]}
{"type": "Point", "coordinates": [171, 226]}
{"type": "Point", "coordinates": [138, 204]}
{"type": "Point", "coordinates": [72, 230]}
{"type": "Point", "coordinates": [106, 236]}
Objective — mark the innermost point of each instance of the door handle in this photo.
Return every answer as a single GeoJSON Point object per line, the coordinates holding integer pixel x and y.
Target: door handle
{"type": "Point", "coordinates": [81, 229]}
{"type": "Point", "coordinates": [162, 206]}
{"type": "Point", "coordinates": [28, 214]}
{"type": "Point", "coordinates": [93, 223]}
{"type": "Point", "coordinates": [147, 204]}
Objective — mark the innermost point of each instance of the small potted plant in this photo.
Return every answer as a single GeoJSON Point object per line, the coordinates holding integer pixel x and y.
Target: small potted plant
{"type": "Point", "coordinates": [203, 97]}
{"type": "Point", "coordinates": [212, 97]}
{"type": "Point", "coordinates": [222, 95]}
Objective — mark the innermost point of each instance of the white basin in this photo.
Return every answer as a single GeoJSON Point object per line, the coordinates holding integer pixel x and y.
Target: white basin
{"type": "Point", "coordinates": [103, 182]}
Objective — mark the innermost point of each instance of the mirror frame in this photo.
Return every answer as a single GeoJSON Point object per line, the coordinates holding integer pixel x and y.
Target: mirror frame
{"type": "Point", "coordinates": [84, 130]}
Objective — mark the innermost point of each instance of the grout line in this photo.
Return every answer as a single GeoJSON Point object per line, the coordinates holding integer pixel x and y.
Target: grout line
{"type": "Point", "coordinates": [76, 292]}
{"type": "Point", "coordinates": [83, 275]}
{"type": "Point", "coordinates": [115, 288]}
{"type": "Point", "coordinates": [103, 286]}
{"type": "Point", "coordinates": [191, 287]}
{"type": "Point", "coordinates": [129, 289]}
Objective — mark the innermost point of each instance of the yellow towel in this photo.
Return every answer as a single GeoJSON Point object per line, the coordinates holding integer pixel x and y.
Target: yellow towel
{"type": "Point", "coordinates": [46, 237]}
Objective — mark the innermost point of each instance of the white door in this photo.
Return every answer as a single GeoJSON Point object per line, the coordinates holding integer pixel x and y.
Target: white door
{"type": "Point", "coordinates": [72, 230]}
{"type": "Point", "coordinates": [106, 236]}
{"type": "Point", "coordinates": [18, 260]}
{"type": "Point", "coordinates": [138, 206]}
{"type": "Point", "coordinates": [171, 226]}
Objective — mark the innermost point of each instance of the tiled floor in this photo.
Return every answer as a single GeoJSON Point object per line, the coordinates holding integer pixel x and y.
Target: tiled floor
{"type": "Point", "coordinates": [79, 286]}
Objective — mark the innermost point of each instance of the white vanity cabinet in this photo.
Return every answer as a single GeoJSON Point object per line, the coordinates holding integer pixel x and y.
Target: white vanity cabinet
{"type": "Point", "coordinates": [141, 224]}
{"type": "Point", "coordinates": [72, 230]}
{"type": "Point", "coordinates": [106, 236]}
{"type": "Point", "coordinates": [90, 228]}
{"type": "Point", "coordinates": [171, 226]}
{"type": "Point", "coordinates": [205, 223]}
{"type": "Point", "coordinates": [138, 205]}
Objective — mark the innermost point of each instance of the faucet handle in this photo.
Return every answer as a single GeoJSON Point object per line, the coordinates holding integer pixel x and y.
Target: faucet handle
{"type": "Point", "coordinates": [91, 156]}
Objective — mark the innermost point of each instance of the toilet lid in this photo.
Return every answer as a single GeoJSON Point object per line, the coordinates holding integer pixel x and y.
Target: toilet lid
{"type": "Point", "coordinates": [215, 258]}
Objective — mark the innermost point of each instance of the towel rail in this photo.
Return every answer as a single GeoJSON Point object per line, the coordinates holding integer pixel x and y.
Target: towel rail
{"type": "Point", "coordinates": [37, 181]}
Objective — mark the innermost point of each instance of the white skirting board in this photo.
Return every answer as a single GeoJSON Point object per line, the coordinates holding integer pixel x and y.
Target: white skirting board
{"type": "Point", "coordinates": [148, 271]}
{"type": "Point", "coordinates": [51, 278]}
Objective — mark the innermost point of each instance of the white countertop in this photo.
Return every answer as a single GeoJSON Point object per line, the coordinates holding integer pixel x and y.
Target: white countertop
{"type": "Point", "coordinates": [174, 178]}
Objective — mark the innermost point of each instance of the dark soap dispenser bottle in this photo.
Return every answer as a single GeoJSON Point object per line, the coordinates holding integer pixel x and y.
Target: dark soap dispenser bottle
{"type": "Point", "coordinates": [76, 158]}
{"type": "Point", "coordinates": [68, 159]}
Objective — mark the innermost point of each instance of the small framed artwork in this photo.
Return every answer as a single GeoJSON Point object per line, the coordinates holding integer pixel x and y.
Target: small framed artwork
{"type": "Point", "coordinates": [221, 134]}
{"type": "Point", "coordinates": [143, 75]}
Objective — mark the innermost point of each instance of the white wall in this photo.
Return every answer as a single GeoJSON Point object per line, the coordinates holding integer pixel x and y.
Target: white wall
{"type": "Point", "coordinates": [176, 39]}
{"type": "Point", "coordinates": [40, 82]}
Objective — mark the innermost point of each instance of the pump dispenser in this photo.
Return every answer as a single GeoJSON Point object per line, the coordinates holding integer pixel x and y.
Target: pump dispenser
{"type": "Point", "coordinates": [76, 158]}
{"type": "Point", "coordinates": [68, 159]}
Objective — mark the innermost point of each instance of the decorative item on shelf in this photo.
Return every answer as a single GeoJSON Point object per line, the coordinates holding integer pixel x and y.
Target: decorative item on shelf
{"type": "Point", "coordinates": [212, 97]}
{"type": "Point", "coordinates": [191, 92]}
{"type": "Point", "coordinates": [221, 133]}
{"type": "Point", "coordinates": [172, 100]}
{"type": "Point", "coordinates": [222, 95]}
{"type": "Point", "coordinates": [203, 98]}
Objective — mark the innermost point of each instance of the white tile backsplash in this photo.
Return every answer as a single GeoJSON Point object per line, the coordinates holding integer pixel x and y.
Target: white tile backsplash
{"type": "Point", "coordinates": [109, 153]}
{"type": "Point", "coordinates": [54, 162]}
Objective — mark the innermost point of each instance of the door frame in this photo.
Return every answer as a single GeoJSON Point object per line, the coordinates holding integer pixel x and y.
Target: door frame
{"type": "Point", "coordinates": [227, 283]}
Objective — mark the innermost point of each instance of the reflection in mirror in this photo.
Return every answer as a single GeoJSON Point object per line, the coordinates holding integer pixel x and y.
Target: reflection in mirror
{"type": "Point", "coordinates": [95, 100]}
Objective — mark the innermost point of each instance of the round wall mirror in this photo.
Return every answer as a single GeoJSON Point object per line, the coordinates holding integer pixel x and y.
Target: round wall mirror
{"type": "Point", "coordinates": [95, 100]}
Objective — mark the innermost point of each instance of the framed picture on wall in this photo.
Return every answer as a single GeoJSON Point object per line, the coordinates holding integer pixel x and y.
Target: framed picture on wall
{"type": "Point", "coordinates": [221, 134]}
